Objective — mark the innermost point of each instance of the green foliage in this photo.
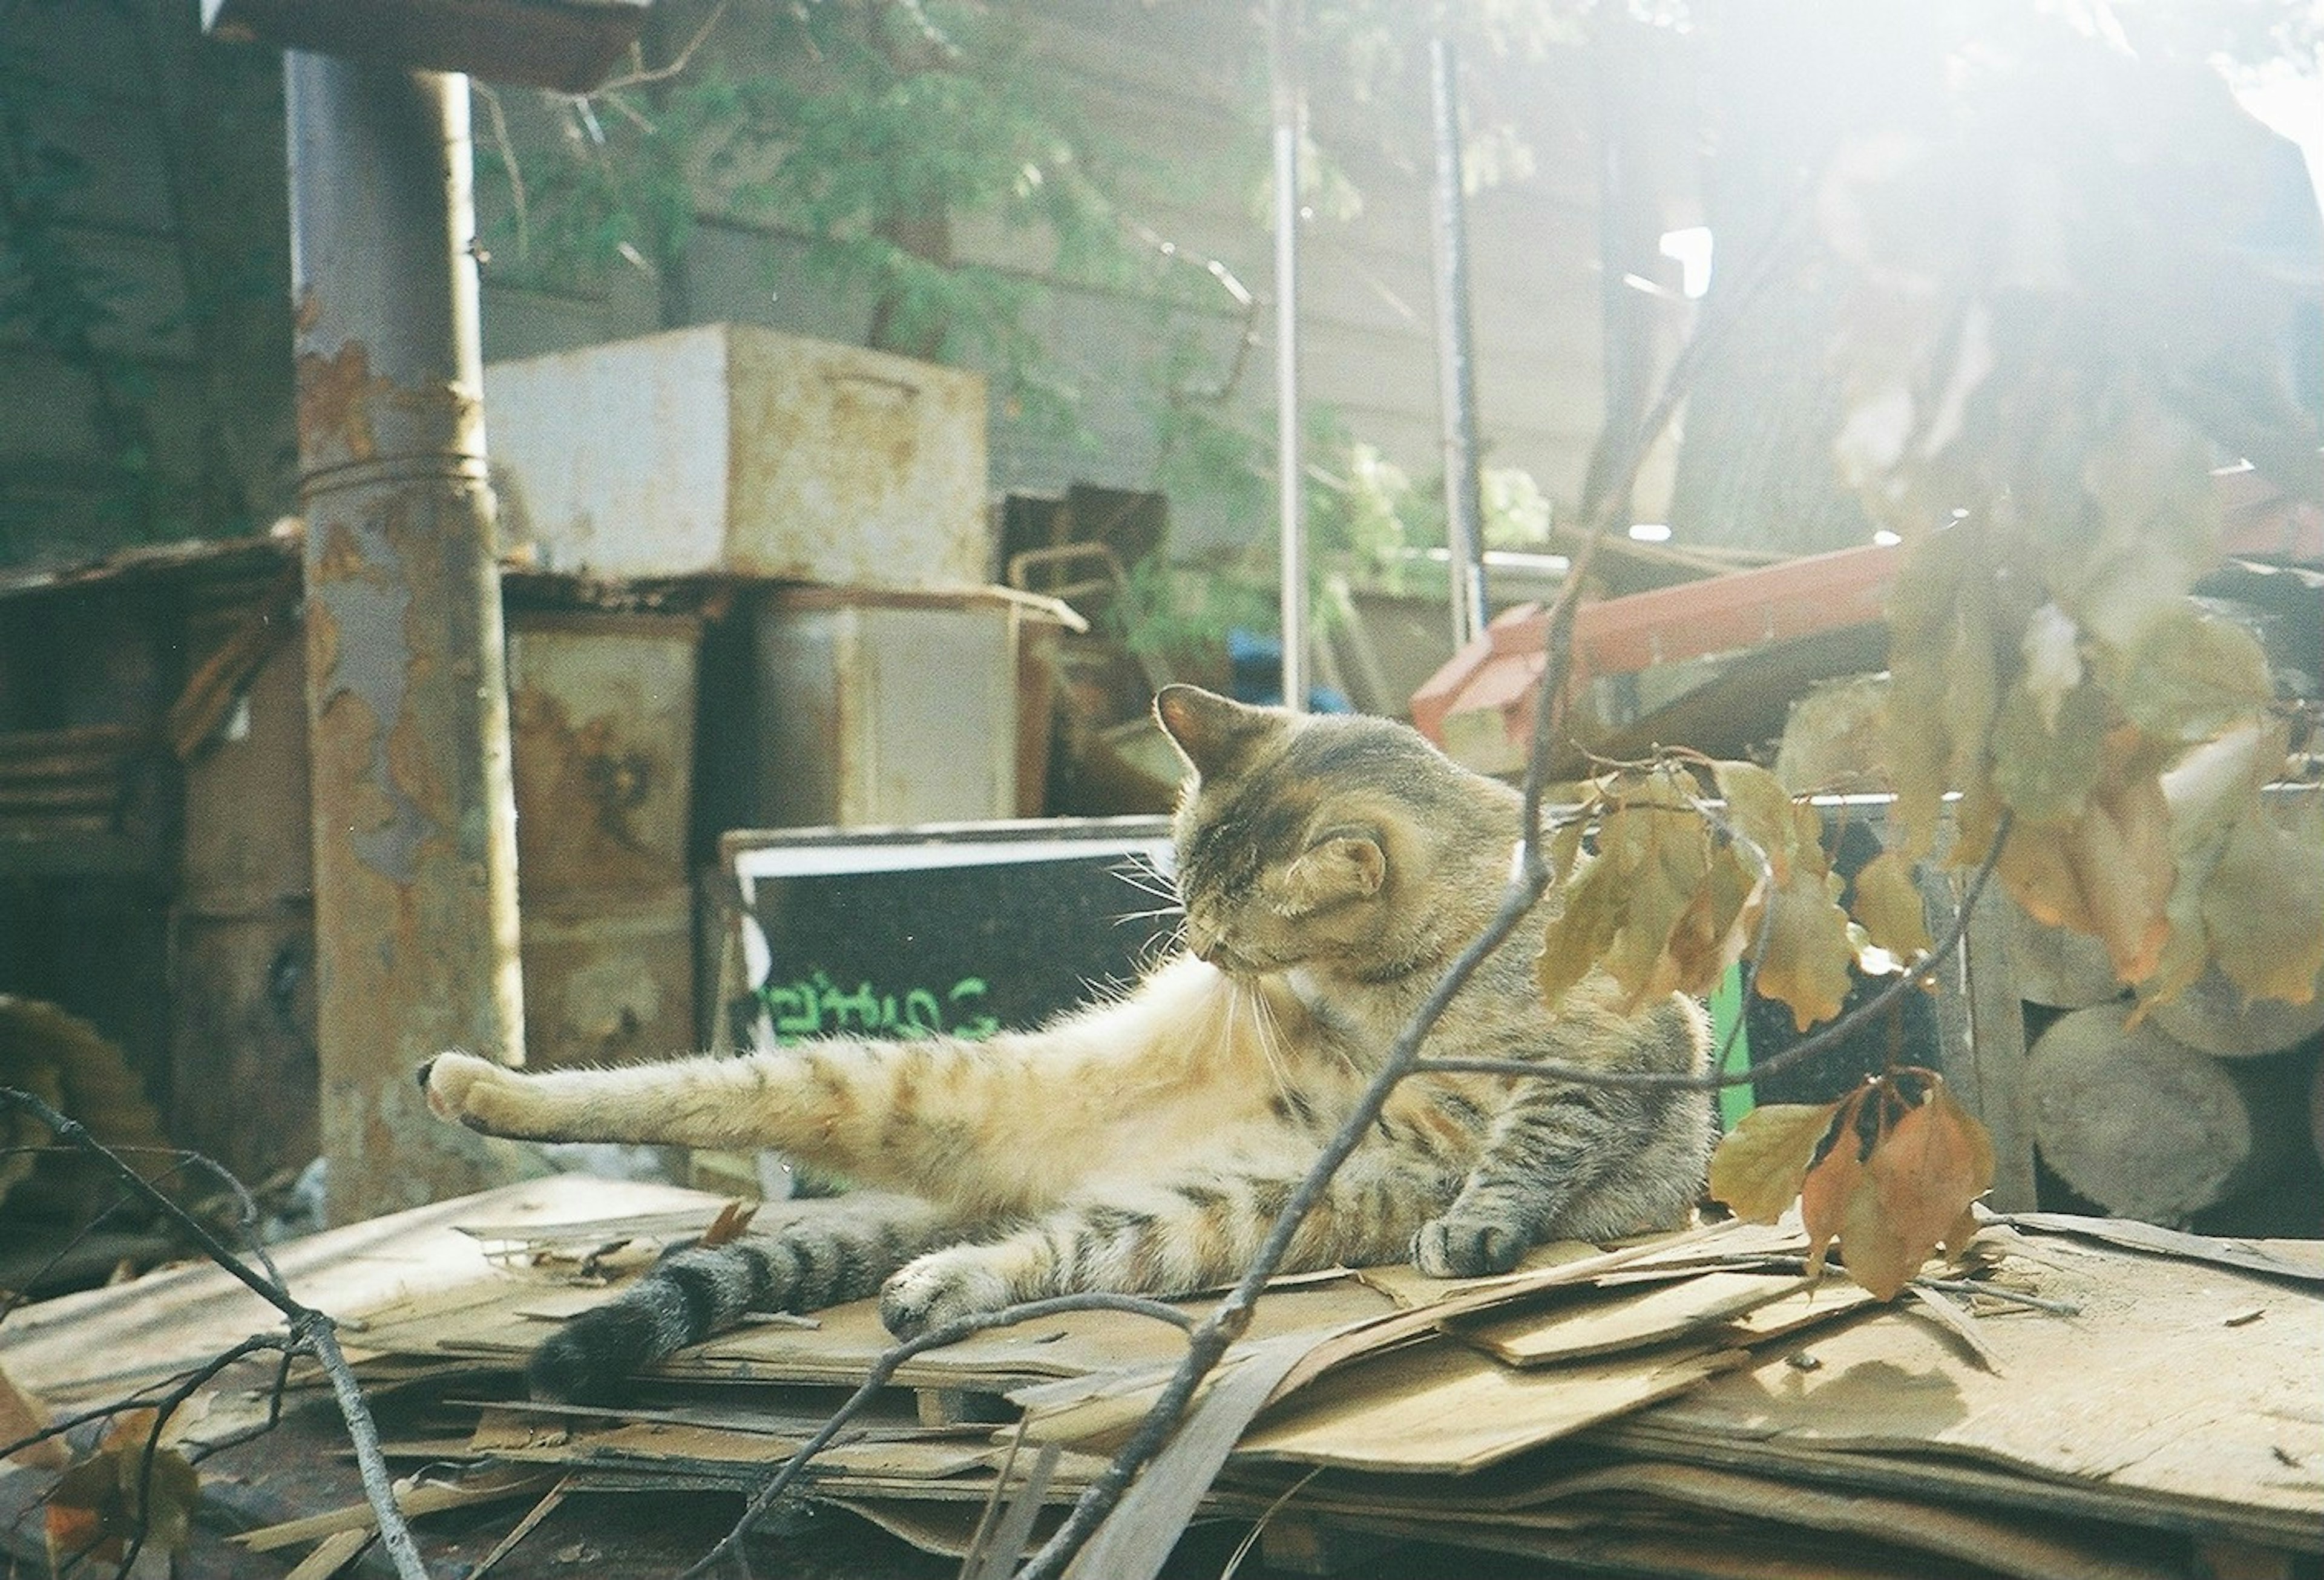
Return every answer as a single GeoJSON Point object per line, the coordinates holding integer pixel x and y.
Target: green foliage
{"type": "Point", "coordinates": [55, 294]}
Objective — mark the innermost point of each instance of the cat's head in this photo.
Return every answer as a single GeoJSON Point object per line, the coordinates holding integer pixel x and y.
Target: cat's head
{"type": "Point", "coordinates": [1310, 839]}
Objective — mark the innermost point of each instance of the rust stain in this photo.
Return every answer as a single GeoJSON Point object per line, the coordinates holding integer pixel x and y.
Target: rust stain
{"type": "Point", "coordinates": [577, 791]}
{"type": "Point", "coordinates": [335, 397]}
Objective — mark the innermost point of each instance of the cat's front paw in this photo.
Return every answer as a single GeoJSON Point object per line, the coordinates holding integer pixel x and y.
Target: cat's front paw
{"type": "Point", "coordinates": [461, 1086]}
{"type": "Point", "coordinates": [940, 1288]}
{"type": "Point", "coordinates": [1458, 1246]}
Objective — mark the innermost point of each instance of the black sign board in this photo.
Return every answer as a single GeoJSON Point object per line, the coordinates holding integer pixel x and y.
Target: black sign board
{"type": "Point", "coordinates": [963, 929]}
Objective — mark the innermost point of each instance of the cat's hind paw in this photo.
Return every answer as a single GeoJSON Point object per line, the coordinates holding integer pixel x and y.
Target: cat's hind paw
{"type": "Point", "coordinates": [1454, 1246]}
{"type": "Point", "coordinates": [941, 1289]}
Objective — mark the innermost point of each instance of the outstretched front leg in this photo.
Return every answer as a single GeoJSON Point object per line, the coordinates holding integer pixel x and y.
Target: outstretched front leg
{"type": "Point", "coordinates": [986, 1125]}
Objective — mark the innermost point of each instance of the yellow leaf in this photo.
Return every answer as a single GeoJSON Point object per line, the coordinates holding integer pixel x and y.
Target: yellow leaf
{"type": "Point", "coordinates": [1760, 1164]}
{"type": "Point", "coordinates": [1759, 809]}
{"type": "Point", "coordinates": [1575, 939]}
{"type": "Point", "coordinates": [1888, 903]}
{"type": "Point", "coordinates": [2046, 774]}
{"type": "Point", "coordinates": [1808, 951]}
{"type": "Point", "coordinates": [2263, 905]}
{"type": "Point", "coordinates": [2192, 674]}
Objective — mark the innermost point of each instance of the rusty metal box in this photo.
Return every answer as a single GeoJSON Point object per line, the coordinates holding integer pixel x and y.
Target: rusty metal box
{"type": "Point", "coordinates": [601, 717]}
{"type": "Point", "coordinates": [609, 979]}
{"type": "Point", "coordinates": [886, 708]}
{"type": "Point", "coordinates": [729, 447]}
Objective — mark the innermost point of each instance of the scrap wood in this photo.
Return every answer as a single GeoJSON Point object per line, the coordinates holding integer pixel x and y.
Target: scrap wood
{"type": "Point", "coordinates": [2298, 1259]}
{"type": "Point", "coordinates": [1679, 1496]}
{"type": "Point", "coordinates": [1626, 1318]}
{"type": "Point", "coordinates": [105, 1342]}
{"type": "Point", "coordinates": [1444, 1409]}
{"type": "Point", "coordinates": [489, 1485]}
{"type": "Point", "coordinates": [2148, 1407]}
{"type": "Point", "coordinates": [334, 1553]}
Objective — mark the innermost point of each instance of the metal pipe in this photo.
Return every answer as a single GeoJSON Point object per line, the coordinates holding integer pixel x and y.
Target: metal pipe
{"type": "Point", "coordinates": [1456, 392]}
{"type": "Point", "coordinates": [414, 817]}
{"type": "Point", "coordinates": [1289, 103]}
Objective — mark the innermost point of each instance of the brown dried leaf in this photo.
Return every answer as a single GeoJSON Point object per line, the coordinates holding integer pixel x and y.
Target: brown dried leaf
{"type": "Point", "coordinates": [732, 1222]}
{"type": "Point", "coordinates": [1878, 1254]}
{"type": "Point", "coordinates": [1761, 1163]}
{"type": "Point", "coordinates": [1928, 1167]}
{"type": "Point", "coordinates": [99, 1505]}
{"type": "Point", "coordinates": [1717, 925]}
{"type": "Point", "coordinates": [1888, 903]}
{"type": "Point", "coordinates": [1808, 950]}
{"type": "Point", "coordinates": [1832, 1182]}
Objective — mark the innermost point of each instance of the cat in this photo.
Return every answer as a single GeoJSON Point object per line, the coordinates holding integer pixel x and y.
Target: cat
{"type": "Point", "coordinates": [1331, 867]}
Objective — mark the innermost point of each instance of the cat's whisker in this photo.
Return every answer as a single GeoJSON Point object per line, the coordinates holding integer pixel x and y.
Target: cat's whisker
{"type": "Point", "coordinates": [1150, 915]}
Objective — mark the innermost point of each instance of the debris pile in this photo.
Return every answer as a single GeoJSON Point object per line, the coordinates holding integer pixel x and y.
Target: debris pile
{"type": "Point", "coordinates": [2077, 1398]}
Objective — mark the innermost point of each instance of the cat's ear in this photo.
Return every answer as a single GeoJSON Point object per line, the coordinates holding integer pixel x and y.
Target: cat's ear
{"type": "Point", "coordinates": [1347, 864]}
{"type": "Point", "coordinates": [1214, 734]}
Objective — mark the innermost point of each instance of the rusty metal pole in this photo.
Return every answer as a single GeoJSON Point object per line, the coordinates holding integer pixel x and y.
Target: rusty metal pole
{"type": "Point", "coordinates": [414, 817]}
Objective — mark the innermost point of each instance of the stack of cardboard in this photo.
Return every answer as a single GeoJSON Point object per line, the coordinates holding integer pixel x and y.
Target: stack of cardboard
{"type": "Point", "coordinates": [2086, 1400]}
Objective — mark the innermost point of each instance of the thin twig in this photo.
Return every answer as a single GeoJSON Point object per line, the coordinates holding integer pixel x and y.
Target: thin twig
{"type": "Point", "coordinates": [310, 1331]}
{"type": "Point", "coordinates": [670, 69]}
{"type": "Point", "coordinates": [1990, 1292]}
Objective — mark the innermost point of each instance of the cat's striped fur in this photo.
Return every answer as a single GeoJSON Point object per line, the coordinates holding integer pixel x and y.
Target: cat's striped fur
{"type": "Point", "coordinates": [1331, 869]}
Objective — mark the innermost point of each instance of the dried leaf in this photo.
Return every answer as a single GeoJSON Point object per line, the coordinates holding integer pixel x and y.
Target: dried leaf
{"type": "Point", "coordinates": [1576, 938]}
{"type": "Point", "coordinates": [1880, 1256]}
{"type": "Point", "coordinates": [2053, 661]}
{"type": "Point", "coordinates": [1761, 1163]}
{"type": "Point", "coordinates": [732, 1222]}
{"type": "Point", "coordinates": [1833, 1181]}
{"type": "Point", "coordinates": [2263, 905]}
{"type": "Point", "coordinates": [2193, 674]}
{"type": "Point", "coordinates": [1888, 903]}
{"type": "Point", "coordinates": [2045, 771]}
{"type": "Point", "coordinates": [1928, 1167]}
{"type": "Point", "coordinates": [2122, 859]}
{"type": "Point", "coordinates": [1717, 927]}
{"type": "Point", "coordinates": [101, 1505]}
{"type": "Point", "coordinates": [22, 1415]}
{"type": "Point", "coordinates": [1759, 809]}
{"type": "Point", "coordinates": [2210, 791]}
{"type": "Point", "coordinates": [1808, 951]}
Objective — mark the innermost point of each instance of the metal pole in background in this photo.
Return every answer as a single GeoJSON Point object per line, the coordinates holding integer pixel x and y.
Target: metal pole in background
{"type": "Point", "coordinates": [1283, 71]}
{"type": "Point", "coordinates": [414, 817]}
{"type": "Point", "coordinates": [1456, 394]}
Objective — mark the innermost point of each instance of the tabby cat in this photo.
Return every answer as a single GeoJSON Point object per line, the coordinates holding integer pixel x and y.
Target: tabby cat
{"type": "Point", "coordinates": [1331, 869]}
